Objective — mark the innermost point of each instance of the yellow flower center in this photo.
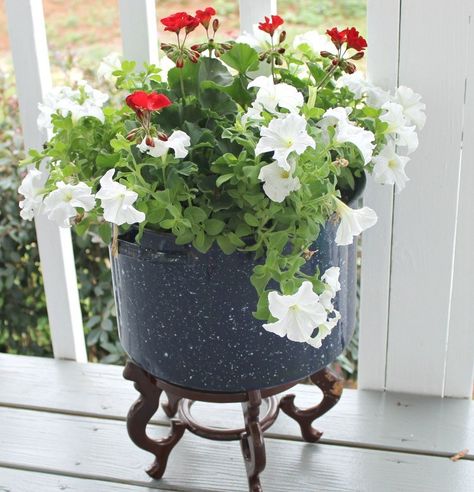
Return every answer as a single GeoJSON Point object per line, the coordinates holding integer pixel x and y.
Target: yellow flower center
{"type": "Point", "coordinates": [284, 174]}
{"type": "Point", "coordinates": [68, 197]}
{"type": "Point", "coordinates": [392, 164]}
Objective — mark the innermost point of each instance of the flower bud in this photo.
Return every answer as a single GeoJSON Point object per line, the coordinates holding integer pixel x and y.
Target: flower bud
{"type": "Point", "coordinates": [278, 60]}
{"type": "Point", "coordinates": [326, 54]}
{"type": "Point", "coordinates": [262, 56]}
{"type": "Point", "coordinates": [341, 162]}
{"type": "Point", "coordinates": [180, 62]}
{"type": "Point", "coordinates": [193, 56]}
{"type": "Point", "coordinates": [336, 61]}
{"type": "Point", "coordinates": [215, 25]}
{"type": "Point", "coordinates": [349, 68]}
{"type": "Point", "coordinates": [132, 135]}
{"type": "Point", "coordinates": [281, 51]}
{"type": "Point", "coordinates": [357, 56]}
{"type": "Point", "coordinates": [149, 141]}
{"type": "Point", "coordinates": [162, 136]}
{"type": "Point", "coordinates": [282, 37]}
{"type": "Point", "coordinates": [226, 46]}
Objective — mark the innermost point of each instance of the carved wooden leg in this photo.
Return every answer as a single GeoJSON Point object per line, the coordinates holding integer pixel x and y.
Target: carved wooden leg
{"type": "Point", "coordinates": [251, 441]}
{"type": "Point", "coordinates": [140, 414]}
{"type": "Point", "coordinates": [171, 406]}
{"type": "Point", "coordinates": [331, 386]}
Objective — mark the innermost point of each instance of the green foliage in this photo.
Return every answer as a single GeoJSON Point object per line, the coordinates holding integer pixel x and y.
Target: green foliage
{"type": "Point", "coordinates": [24, 325]}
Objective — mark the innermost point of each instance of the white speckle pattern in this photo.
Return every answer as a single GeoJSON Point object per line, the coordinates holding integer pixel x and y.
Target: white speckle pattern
{"type": "Point", "coordinates": [187, 318]}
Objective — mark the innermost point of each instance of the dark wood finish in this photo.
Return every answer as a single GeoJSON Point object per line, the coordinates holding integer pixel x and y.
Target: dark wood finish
{"type": "Point", "coordinates": [331, 385]}
{"type": "Point", "coordinates": [140, 415]}
{"type": "Point", "coordinates": [171, 406]}
{"type": "Point", "coordinates": [251, 436]}
{"type": "Point", "coordinates": [251, 441]}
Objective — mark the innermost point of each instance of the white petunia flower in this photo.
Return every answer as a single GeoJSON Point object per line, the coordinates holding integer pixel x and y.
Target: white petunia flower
{"type": "Point", "coordinates": [360, 87]}
{"type": "Point", "coordinates": [361, 138]}
{"type": "Point", "coordinates": [325, 329]}
{"type": "Point", "coordinates": [61, 204]}
{"type": "Point", "coordinates": [82, 102]}
{"type": "Point", "coordinates": [271, 95]}
{"type": "Point", "coordinates": [32, 188]}
{"type": "Point", "coordinates": [389, 167]}
{"type": "Point", "coordinates": [398, 129]}
{"type": "Point", "coordinates": [413, 108]}
{"type": "Point", "coordinates": [298, 315]}
{"type": "Point", "coordinates": [117, 201]}
{"type": "Point", "coordinates": [283, 136]}
{"type": "Point", "coordinates": [333, 286]}
{"type": "Point", "coordinates": [178, 141]}
{"type": "Point", "coordinates": [277, 182]}
{"type": "Point", "coordinates": [352, 222]}
{"type": "Point", "coordinates": [314, 41]}
{"type": "Point", "coordinates": [107, 66]}
{"type": "Point", "coordinates": [333, 116]}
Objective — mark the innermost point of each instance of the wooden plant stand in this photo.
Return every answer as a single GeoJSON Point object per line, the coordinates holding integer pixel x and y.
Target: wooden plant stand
{"type": "Point", "coordinates": [180, 401]}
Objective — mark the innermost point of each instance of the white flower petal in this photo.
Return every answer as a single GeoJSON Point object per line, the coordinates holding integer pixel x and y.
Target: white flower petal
{"type": "Point", "coordinates": [352, 222]}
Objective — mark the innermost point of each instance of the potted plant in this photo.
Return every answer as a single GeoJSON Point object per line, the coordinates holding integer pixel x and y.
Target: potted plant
{"type": "Point", "coordinates": [229, 190]}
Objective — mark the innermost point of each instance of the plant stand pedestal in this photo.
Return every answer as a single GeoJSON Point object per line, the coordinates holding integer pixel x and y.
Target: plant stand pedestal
{"type": "Point", "coordinates": [180, 401]}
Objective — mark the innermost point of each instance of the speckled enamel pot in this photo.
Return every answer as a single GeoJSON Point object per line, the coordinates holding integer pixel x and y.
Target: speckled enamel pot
{"type": "Point", "coordinates": [186, 317]}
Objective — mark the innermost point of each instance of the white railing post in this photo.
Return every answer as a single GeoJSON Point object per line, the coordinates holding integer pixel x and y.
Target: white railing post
{"type": "Point", "coordinates": [460, 352]}
{"type": "Point", "coordinates": [428, 340]}
{"type": "Point", "coordinates": [30, 58]}
{"type": "Point", "coordinates": [139, 32]}
{"type": "Point", "coordinates": [383, 22]}
{"type": "Point", "coordinates": [253, 11]}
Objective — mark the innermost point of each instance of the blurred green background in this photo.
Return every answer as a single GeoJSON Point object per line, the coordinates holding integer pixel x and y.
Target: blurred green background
{"type": "Point", "coordinates": [80, 33]}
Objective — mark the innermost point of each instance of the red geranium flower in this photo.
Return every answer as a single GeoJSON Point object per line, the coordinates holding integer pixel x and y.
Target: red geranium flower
{"type": "Point", "coordinates": [337, 37]}
{"type": "Point", "coordinates": [355, 40]}
{"type": "Point", "coordinates": [178, 21]}
{"type": "Point", "coordinates": [143, 101]}
{"type": "Point", "coordinates": [351, 36]}
{"type": "Point", "coordinates": [270, 26]}
{"type": "Point", "coordinates": [205, 16]}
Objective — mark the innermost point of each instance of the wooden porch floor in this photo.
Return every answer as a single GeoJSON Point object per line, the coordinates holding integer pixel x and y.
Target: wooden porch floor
{"type": "Point", "coordinates": [62, 427]}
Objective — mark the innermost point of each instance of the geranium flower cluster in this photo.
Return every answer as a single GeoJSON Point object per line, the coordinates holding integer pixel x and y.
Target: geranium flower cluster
{"type": "Point", "coordinates": [248, 139]}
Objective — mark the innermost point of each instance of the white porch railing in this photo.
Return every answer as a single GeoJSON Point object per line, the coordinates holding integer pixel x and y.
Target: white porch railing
{"type": "Point", "coordinates": [418, 264]}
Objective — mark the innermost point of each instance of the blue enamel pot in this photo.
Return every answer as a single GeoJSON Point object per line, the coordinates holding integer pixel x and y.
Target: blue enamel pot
{"type": "Point", "coordinates": [186, 317]}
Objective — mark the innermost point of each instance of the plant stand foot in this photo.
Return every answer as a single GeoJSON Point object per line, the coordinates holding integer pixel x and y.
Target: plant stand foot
{"type": "Point", "coordinates": [331, 385]}
{"type": "Point", "coordinates": [251, 441]}
{"type": "Point", "coordinates": [140, 414]}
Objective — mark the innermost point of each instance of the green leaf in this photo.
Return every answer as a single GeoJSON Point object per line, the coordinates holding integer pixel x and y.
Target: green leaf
{"type": "Point", "coordinates": [189, 74]}
{"type": "Point", "coordinates": [105, 232]}
{"type": "Point", "coordinates": [225, 244]}
{"type": "Point", "coordinates": [251, 220]}
{"type": "Point", "coordinates": [214, 70]}
{"type": "Point", "coordinates": [242, 58]}
{"type": "Point", "coordinates": [195, 214]}
{"type": "Point", "coordinates": [214, 227]}
{"type": "Point", "coordinates": [222, 179]}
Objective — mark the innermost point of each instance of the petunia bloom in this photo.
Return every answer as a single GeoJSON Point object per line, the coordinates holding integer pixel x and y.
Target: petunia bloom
{"type": "Point", "coordinates": [117, 201]}
{"type": "Point", "coordinates": [205, 16]}
{"type": "Point", "coordinates": [352, 222]}
{"type": "Point", "coordinates": [32, 188]}
{"type": "Point", "coordinates": [271, 95]}
{"type": "Point", "coordinates": [283, 136]}
{"type": "Point", "coordinates": [179, 141]}
{"type": "Point", "coordinates": [413, 108]}
{"type": "Point", "coordinates": [178, 21]}
{"type": "Point", "coordinates": [389, 167]}
{"type": "Point", "coordinates": [313, 40]}
{"type": "Point", "coordinates": [297, 315]}
{"type": "Point", "coordinates": [278, 183]}
{"type": "Point", "coordinates": [78, 103]}
{"type": "Point", "coordinates": [271, 25]}
{"type": "Point", "coordinates": [62, 204]}
{"type": "Point", "coordinates": [147, 101]}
